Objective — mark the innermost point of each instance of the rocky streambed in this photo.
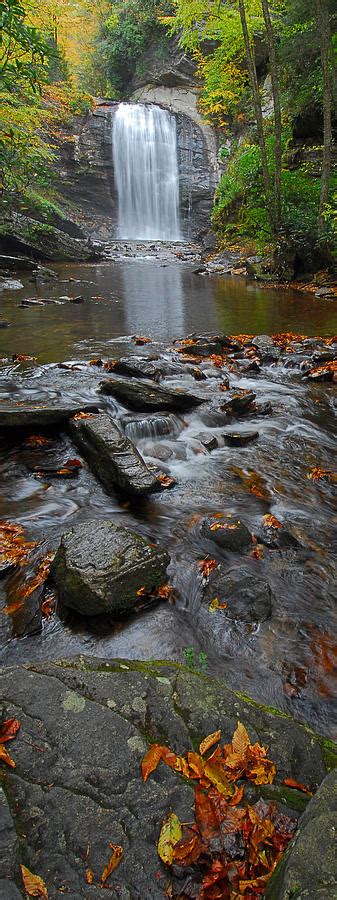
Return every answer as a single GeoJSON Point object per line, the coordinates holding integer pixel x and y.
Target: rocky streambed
{"type": "Point", "coordinates": [166, 499]}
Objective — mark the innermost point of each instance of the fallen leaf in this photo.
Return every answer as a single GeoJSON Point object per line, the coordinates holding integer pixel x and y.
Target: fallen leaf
{"type": "Point", "coordinates": [209, 742]}
{"type": "Point", "coordinates": [290, 782]}
{"type": "Point", "coordinates": [5, 757]}
{"type": "Point", "coordinates": [139, 340]}
{"type": "Point", "coordinates": [272, 522]}
{"type": "Point", "coordinates": [36, 440]}
{"type": "Point", "coordinates": [33, 884]}
{"type": "Point", "coordinates": [207, 566]}
{"type": "Point", "coordinates": [113, 863]}
{"type": "Point", "coordinates": [164, 591]}
{"type": "Point", "coordinates": [316, 474]}
{"type": "Point", "coordinates": [215, 604]}
{"type": "Point", "coordinates": [89, 876]}
{"type": "Point", "coordinates": [151, 760]}
{"type": "Point", "coordinates": [171, 833]}
{"type": "Point", "coordinates": [166, 481]}
{"type": "Point", "coordinates": [83, 415]}
{"type": "Point", "coordinates": [8, 730]}
{"type": "Point", "coordinates": [21, 357]}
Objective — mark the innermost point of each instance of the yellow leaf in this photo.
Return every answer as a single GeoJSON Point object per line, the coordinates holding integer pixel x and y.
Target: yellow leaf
{"type": "Point", "coordinates": [114, 861]}
{"type": "Point", "coordinates": [240, 741]}
{"type": "Point", "coordinates": [215, 774]}
{"type": "Point", "coordinates": [5, 757]}
{"type": "Point", "coordinates": [89, 876]}
{"type": "Point", "coordinates": [171, 833]}
{"type": "Point", "coordinates": [209, 741]}
{"type": "Point", "coordinates": [33, 884]}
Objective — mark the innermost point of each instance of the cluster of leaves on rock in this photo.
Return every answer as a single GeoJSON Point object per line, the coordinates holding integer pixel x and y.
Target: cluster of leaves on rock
{"type": "Point", "coordinates": [232, 848]}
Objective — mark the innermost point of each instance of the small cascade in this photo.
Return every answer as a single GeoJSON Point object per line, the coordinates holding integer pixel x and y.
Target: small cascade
{"type": "Point", "coordinates": [152, 427]}
{"type": "Point", "coordinates": [144, 141]}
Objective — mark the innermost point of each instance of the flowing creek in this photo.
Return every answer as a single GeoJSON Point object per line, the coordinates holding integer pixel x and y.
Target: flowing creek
{"type": "Point", "coordinates": [285, 661]}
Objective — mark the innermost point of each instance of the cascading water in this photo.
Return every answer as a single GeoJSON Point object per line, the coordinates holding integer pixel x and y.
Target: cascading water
{"type": "Point", "coordinates": [144, 143]}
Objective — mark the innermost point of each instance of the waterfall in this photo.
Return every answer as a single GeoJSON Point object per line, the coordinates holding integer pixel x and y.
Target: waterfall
{"type": "Point", "coordinates": [144, 142]}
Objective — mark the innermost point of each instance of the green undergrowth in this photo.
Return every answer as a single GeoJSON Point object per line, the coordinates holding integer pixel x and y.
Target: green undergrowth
{"type": "Point", "coordinates": [240, 212]}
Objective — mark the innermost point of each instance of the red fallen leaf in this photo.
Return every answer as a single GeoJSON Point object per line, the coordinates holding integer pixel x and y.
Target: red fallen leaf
{"type": "Point", "coordinates": [33, 884]}
{"type": "Point", "coordinates": [257, 551]}
{"type": "Point", "coordinates": [316, 474]}
{"type": "Point", "coordinates": [140, 340]}
{"type": "Point", "coordinates": [113, 863]}
{"type": "Point", "coordinates": [207, 566]}
{"type": "Point", "coordinates": [83, 415]}
{"type": "Point", "coordinates": [73, 464]}
{"type": "Point", "coordinates": [290, 782]}
{"type": "Point", "coordinates": [36, 440]}
{"type": "Point", "coordinates": [5, 757]}
{"type": "Point", "coordinates": [9, 730]}
{"type": "Point", "coordinates": [272, 522]}
{"type": "Point", "coordinates": [20, 357]}
{"type": "Point", "coordinates": [205, 816]}
{"type": "Point", "coordinates": [164, 592]}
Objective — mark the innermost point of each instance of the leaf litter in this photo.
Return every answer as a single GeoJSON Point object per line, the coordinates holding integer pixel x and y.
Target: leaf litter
{"type": "Point", "coordinates": [230, 850]}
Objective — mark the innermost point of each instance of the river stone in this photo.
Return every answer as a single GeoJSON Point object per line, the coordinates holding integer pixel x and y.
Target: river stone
{"type": "Point", "coordinates": [94, 721]}
{"type": "Point", "coordinates": [249, 597]}
{"type": "Point", "coordinates": [240, 438]}
{"type": "Point", "coordinates": [263, 342]}
{"type": "Point", "coordinates": [239, 403]}
{"type": "Point", "coordinates": [100, 566]}
{"type": "Point", "coordinates": [209, 441]}
{"type": "Point", "coordinates": [309, 869]}
{"type": "Point", "coordinates": [230, 535]}
{"type": "Point", "coordinates": [143, 396]}
{"type": "Point", "coordinates": [31, 415]}
{"type": "Point", "coordinates": [112, 456]}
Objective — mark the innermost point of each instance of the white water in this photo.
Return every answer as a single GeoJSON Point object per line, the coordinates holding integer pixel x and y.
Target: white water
{"type": "Point", "coordinates": [144, 141]}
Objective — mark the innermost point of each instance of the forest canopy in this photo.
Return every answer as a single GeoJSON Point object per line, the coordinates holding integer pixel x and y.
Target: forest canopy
{"type": "Point", "coordinates": [57, 54]}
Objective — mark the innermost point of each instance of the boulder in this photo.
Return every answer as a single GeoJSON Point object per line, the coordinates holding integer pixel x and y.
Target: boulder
{"type": "Point", "coordinates": [30, 415]}
{"type": "Point", "coordinates": [308, 869]}
{"type": "Point", "coordinates": [239, 403]}
{"type": "Point", "coordinates": [45, 241]}
{"type": "Point", "coordinates": [112, 456]}
{"type": "Point", "coordinates": [248, 597]}
{"type": "Point", "coordinates": [94, 719]}
{"type": "Point", "coordinates": [209, 441]}
{"type": "Point", "coordinates": [240, 438]}
{"type": "Point", "coordinates": [100, 566]}
{"type": "Point", "coordinates": [230, 534]}
{"type": "Point", "coordinates": [143, 396]}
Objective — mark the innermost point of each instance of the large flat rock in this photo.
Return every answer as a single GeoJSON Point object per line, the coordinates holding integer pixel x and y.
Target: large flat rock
{"type": "Point", "coordinates": [29, 415]}
{"type": "Point", "coordinates": [85, 726]}
{"type": "Point", "coordinates": [143, 396]}
{"type": "Point", "coordinates": [100, 566]}
{"type": "Point", "coordinates": [112, 456]}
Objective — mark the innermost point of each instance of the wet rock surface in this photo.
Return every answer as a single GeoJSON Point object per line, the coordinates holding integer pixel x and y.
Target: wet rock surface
{"type": "Point", "coordinates": [248, 597]}
{"type": "Point", "coordinates": [84, 790]}
{"type": "Point", "coordinates": [100, 566]}
{"type": "Point", "coordinates": [142, 396]}
{"type": "Point", "coordinates": [112, 456]}
{"type": "Point", "coordinates": [32, 415]}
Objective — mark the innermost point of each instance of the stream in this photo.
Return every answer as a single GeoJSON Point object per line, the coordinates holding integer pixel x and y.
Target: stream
{"type": "Point", "coordinates": [287, 660]}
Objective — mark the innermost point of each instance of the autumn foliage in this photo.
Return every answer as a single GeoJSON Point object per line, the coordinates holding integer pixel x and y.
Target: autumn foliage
{"type": "Point", "coordinates": [231, 848]}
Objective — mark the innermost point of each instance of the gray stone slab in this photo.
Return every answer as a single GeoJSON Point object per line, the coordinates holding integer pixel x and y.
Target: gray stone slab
{"type": "Point", "coordinates": [32, 415]}
{"type": "Point", "coordinates": [148, 396]}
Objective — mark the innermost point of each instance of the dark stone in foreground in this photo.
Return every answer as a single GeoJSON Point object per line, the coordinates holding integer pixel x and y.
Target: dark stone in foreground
{"type": "Point", "coordinates": [94, 721]}
{"type": "Point", "coordinates": [100, 566]}
{"type": "Point", "coordinates": [230, 535]}
{"type": "Point", "coordinates": [112, 456]}
{"type": "Point", "coordinates": [30, 415]}
{"type": "Point", "coordinates": [143, 396]}
{"type": "Point", "coordinates": [240, 438]}
{"type": "Point", "coordinates": [249, 597]}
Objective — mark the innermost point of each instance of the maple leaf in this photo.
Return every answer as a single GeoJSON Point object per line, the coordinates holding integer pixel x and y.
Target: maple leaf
{"type": "Point", "coordinates": [171, 833]}
{"type": "Point", "coordinates": [33, 884]}
{"type": "Point", "coordinates": [8, 730]}
{"type": "Point", "coordinates": [114, 861]}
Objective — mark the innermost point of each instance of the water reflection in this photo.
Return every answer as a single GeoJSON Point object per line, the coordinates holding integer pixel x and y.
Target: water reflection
{"type": "Point", "coordinates": [155, 299]}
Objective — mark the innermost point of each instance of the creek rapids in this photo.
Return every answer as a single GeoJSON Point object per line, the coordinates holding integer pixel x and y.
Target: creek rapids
{"type": "Point", "coordinates": [284, 658]}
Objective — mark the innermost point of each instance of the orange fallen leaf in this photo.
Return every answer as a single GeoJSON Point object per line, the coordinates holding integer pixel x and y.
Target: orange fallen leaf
{"type": "Point", "coordinates": [21, 357]}
{"type": "Point", "coordinates": [209, 742]}
{"type": "Point", "coordinates": [290, 782]}
{"type": "Point", "coordinates": [113, 863]}
{"type": "Point", "coordinates": [151, 760]}
{"type": "Point", "coordinates": [5, 757]}
{"type": "Point", "coordinates": [316, 474]}
{"type": "Point", "coordinates": [9, 730]}
{"type": "Point", "coordinates": [164, 591]}
{"type": "Point", "coordinates": [89, 876]}
{"type": "Point", "coordinates": [272, 522]}
{"type": "Point", "coordinates": [141, 591]}
{"type": "Point", "coordinates": [166, 480]}
{"type": "Point", "coordinates": [139, 340]}
{"type": "Point", "coordinates": [33, 884]}
{"type": "Point", "coordinates": [257, 551]}
{"type": "Point", "coordinates": [83, 415]}
{"type": "Point", "coordinates": [36, 440]}
{"type": "Point", "coordinates": [207, 566]}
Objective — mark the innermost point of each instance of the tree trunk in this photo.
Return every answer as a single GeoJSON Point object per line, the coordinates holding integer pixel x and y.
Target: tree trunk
{"type": "Point", "coordinates": [324, 39]}
{"type": "Point", "coordinates": [277, 112]}
{"type": "Point", "coordinates": [258, 112]}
